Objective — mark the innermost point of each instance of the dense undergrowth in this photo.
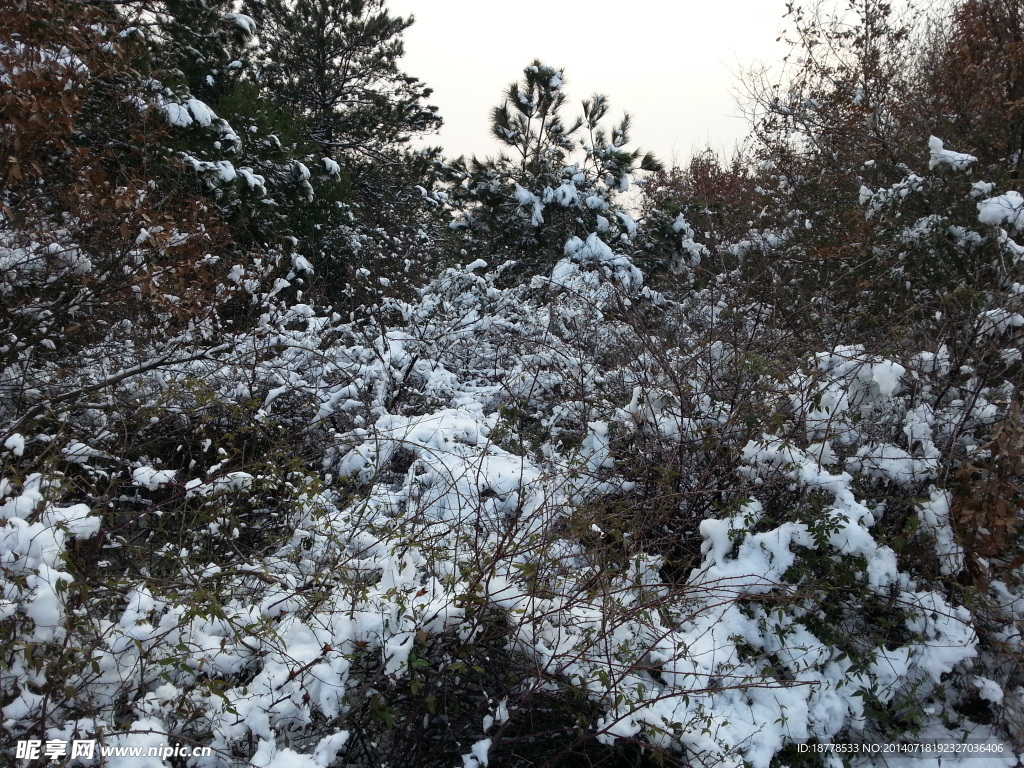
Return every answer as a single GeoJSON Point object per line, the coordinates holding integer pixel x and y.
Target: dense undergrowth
{"type": "Point", "coordinates": [557, 484]}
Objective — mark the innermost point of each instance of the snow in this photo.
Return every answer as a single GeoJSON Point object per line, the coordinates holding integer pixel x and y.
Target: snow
{"type": "Point", "coordinates": [15, 444]}
{"type": "Point", "coordinates": [177, 114]}
{"type": "Point", "coordinates": [80, 453]}
{"type": "Point", "coordinates": [331, 168]}
{"type": "Point", "coordinates": [76, 519]}
{"type": "Point", "coordinates": [627, 222]}
{"type": "Point", "coordinates": [595, 251]}
{"type": "Point", "coordinates": [201, 113]}
{"type": "Point", "coordinates": [989, 690]}
{"type": "Point", "coordinates": [232, 481]}
{"type": "Point", "coordinates": [889, 462]}
{"type": "Point", "coordinates": [996, 321]}
{"type": "Point", "coordinates": [890, 196]}
{"type": "Point", "coordinates": [692, 251]}
{"type": "Point", "coordinates": [565, 195]}
{"type": "Point", "coordinates": [242, 22]}
{"type": "Point", "coordinates": [302, 265]}
{"type": "Point", "coordinates": [1006, 210]}
{"type": "Point", "coordinates": [152, 479]}
{"type": "Point", "coordinates": [60, 63]}
{"type": "Point", "coordinates": [525, 198]}
{"type": "Point", "coordinates": [253, 180]}
{"type": "Point", "coordinates": [982, 188]}
{"type": "Point", "coordinates": [940, 156]}
{"type": "Point", "coordinates": [478, 755]}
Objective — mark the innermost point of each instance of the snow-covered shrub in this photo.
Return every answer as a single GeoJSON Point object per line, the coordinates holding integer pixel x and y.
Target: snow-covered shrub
{"type": "Point", "coordinates": [574, 502]}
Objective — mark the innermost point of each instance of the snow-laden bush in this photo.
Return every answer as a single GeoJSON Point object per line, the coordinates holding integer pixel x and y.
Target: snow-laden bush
{"type": "Point", "coordinates": [532, 521]}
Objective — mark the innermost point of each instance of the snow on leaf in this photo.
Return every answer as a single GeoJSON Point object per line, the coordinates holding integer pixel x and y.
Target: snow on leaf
{"type": "Point", "coordinates": [939, 156]}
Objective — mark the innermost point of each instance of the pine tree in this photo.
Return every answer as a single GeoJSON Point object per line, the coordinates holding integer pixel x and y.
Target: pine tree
{"type": "Point", "coordinates": [272, 178]}
{"type": "Point", "coordinates": [201, 45]}
{"type": "Point", "coordinates": [337, 113]}
{"type": "Point", "coordinates": [335, 63]}
{"type": "Point", "coordinates": [241, 149]}
{"type": "Point", "coordinates": [557, 179]}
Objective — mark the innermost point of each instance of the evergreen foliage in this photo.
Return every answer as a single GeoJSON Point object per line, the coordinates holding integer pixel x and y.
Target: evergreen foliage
{"type": "Point", "coordinates": [335, 63]}
{"type": "Point", "coordinates": [559, 180]}
{"type": "Point", "coordinates": [203, 40]}
{"type": "Point", "coordinates": [331, 67]}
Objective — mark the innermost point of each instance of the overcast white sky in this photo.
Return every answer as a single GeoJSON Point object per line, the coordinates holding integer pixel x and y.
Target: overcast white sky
{"type": "Point", "coordinates": [672, 64]}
